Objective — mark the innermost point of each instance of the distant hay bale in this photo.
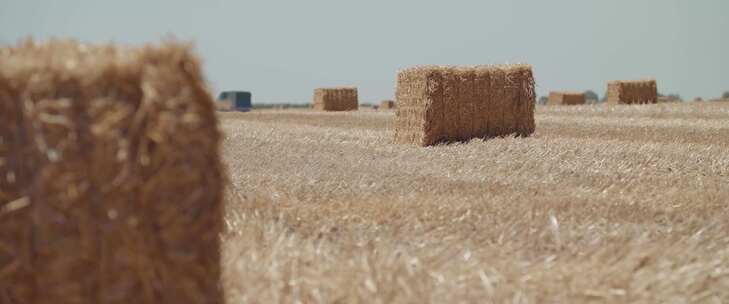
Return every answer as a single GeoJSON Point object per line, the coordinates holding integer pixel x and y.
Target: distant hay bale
{"type": "Point", "coordinates": [335, 99]}
{"type": "Point", "coordinates": [439, 104]}
{"type": "Point", "coordinates": [110, 180]}
{"type": "Point", "coordinates": [632, 92]}
{"type": "Point", "coordinates": [566, 98]}
{"type": "Point", "coordinates": [387, 104]}
{"type": "Point", "coordinates": [697, 99]}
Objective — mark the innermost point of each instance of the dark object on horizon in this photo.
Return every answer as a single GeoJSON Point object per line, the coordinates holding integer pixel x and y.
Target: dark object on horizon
{"type": "Point", "coordinates": [725, 95]}
{"type": "Point", "coordinates": [238, 100]}
{"type": "Point", "coordinates": [591, 96]}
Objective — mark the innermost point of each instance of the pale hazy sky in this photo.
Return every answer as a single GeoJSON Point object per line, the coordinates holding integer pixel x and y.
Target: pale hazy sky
{"type": "Point", "coordinates": [282, 50]}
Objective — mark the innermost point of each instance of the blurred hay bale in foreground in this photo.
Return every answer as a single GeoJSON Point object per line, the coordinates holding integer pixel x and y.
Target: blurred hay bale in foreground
{"type": "Point", "coordinates": [335, 99]}
{"type": "Point", "coordinates": [632, 92]}
{"type": "Point", "coordinates": [438, 104]}
{"type": "Point", "coordinates": [387, 104]}
{"type": "Point", "coordinates": [566, 98]}
{"type": "Point", "coordinates": [111, 181]}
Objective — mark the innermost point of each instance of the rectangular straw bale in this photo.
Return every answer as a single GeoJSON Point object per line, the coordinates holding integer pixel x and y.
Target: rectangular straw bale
{"type": "Point", "coordinates": [632, 92]}
{"type": "Point", "coordinates": [110, 178]}
{"type": "Point", "coordinates": [566, 98]}
{"type": "Point", "coordinates": [456, 103]}
{"type": "Point", "coordinates": [336, 99]}
{"type": "Point", "coordinates": [387, 104]}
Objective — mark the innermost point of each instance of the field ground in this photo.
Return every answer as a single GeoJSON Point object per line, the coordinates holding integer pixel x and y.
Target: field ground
{"type": "Point", "coordinates": [602, 204]}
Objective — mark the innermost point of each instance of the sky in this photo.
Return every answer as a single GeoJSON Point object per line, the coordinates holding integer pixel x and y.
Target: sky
{"type": "Point", "coordinates": [282, 50]}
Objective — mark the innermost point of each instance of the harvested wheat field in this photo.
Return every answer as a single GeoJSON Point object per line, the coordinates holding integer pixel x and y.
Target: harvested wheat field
{"type": "Point", "coordinates": [605, 203]}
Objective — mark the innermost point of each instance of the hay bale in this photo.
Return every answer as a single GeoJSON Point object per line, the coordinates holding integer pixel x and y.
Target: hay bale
{"type": "Point", "coordinates": [566, 98]}
{"type": "Point", "coordinates": [335, 99]}
{"type": "Point", "coordinates": [438, 104]}
{"type": "Point", "coordinates": [387, 104]}
{"type": "Point", "coordinates": [698, 99]}
{"type": "Point", "coordinates": [632, 92]}
{"type": "Point", "coordinates": [110, 179]}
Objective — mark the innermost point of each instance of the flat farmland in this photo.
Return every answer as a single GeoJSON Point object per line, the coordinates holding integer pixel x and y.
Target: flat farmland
{"type": "Point", "coordinates": [602, 204]}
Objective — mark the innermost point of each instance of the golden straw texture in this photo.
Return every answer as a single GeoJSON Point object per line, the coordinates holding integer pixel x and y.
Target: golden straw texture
{"type": "Point", "coordinates": [335, 99]}
{"type": "Point", "coordinates": [602, 204]}
{"type": "Point", "coordinates": [111, 180]}
{"type": "Point", "coordinates": [387, 104]}
{"type": "Point", "coordinates": [438, 104]}
{"type": "Point", "coordinates": [632, 92]}
{"type": "Point", "coordinates": [566, 98]}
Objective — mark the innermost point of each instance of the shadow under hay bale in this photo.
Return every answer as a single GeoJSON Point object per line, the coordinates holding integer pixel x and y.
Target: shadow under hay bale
{"type": "Point", "coordinates": [387, 104]}
{"type": "Point", "coordinates": [566, 98]}
{"type": "Point", "coordinates": [632, 92]}
{"type": "Point", "coordinates": [335, 99]}
{"type": "Point", "coordinates": [440, 104]}
{"type": "Point", "coordinates": [111, 180]}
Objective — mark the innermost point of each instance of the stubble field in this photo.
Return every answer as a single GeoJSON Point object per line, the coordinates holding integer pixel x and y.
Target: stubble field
{"type": "Point", "coordinates": [602, 204]}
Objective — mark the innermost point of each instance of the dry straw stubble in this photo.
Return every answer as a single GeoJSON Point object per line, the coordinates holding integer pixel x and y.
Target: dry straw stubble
{"type": "Point", "coordinates": [111, 180]}
{"type": "Point", "coordinates": [455, 103]}
{"type": "Point", "coordinates": [585, 211]}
